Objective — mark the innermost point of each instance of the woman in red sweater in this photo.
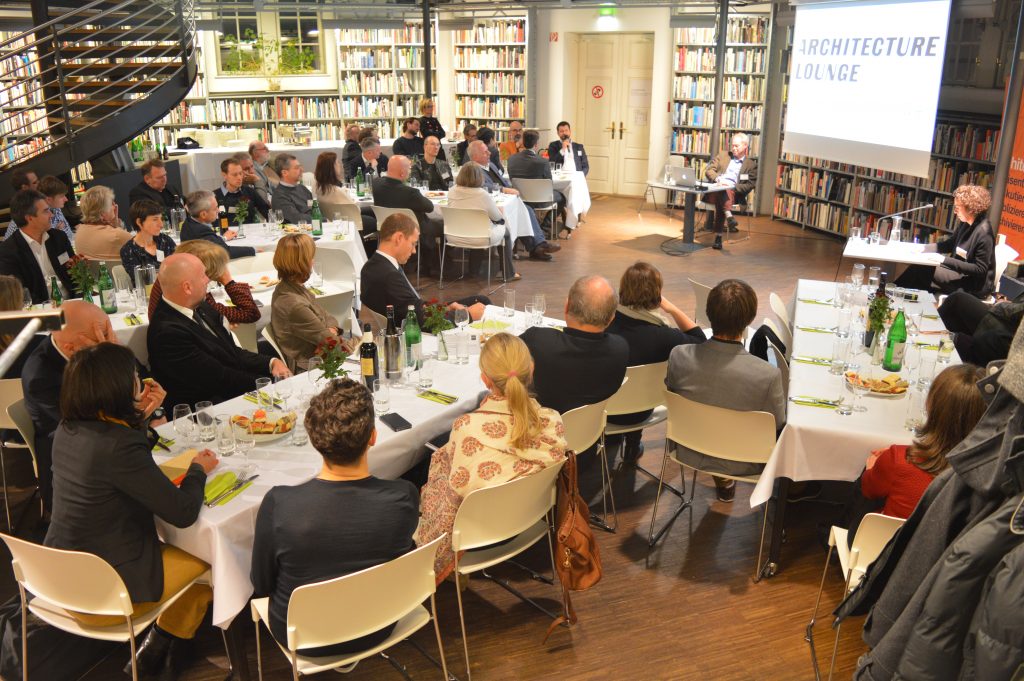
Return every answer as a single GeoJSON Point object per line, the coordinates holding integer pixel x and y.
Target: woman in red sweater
{"type": "Point", "coordinates": [900, 474]}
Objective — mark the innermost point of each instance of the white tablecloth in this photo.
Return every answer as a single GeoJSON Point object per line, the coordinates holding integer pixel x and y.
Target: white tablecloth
{"type": "Point", "coordinates": [223, 535]}
{"type": "Point", "coordinates": [901, 252]}
{"type": "Point", "coordinates": [819, 444]}
{"type": "Point", "coordinates": [334, 237]}
{"type": "Point", "coordinates": [577, 195]}
{"type": "Point", "coordinates": [517, 219]}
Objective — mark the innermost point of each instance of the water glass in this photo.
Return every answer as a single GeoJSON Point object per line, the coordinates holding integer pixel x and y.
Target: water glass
{"type": "Point", "coordinates": [845, 319]}
{"type": "Point", "coordinates": [314, 374]}
{"type": "Point", "coordinates": [206, 421]}
{"type": "Point", "coordinates": [945, 349]}
{"type": "Point", "coordinates": [925, 369]}
{"type": "Point", "coordinates": [855, 232]}
{"type": "Point", "coordinates": [225, 435]}
{"type": "Point", "coordinates": [874, 238]}
{"type": "Point", "coordinates": [282, 390]}
{"type": "Point", "coordinates": [264, 399]}
{"type": "Point", "coordinates": [874, 273]}
{"type": "Point", "coordinates": [381, 396]}
{"type": "Point", "coordinates": [425, 375]}
{"type": "Point", "coordinates": [912, 355]}
{"type": "Point", "coordinates": [462, 347]}
{"type": "Point", "coordinates": [915, 319]}
{"type": "Point", "coordinates": [859, 389]}
{"type": "Point", "coordinates": [316, 278]}
{"type": "Point", "coordinates": [510, 302]}
{"type": "Point", "coordinates": [533, 317]}
{"type": "Point", "coordinates": [184, 424]}
{"type": "Point", "coordinates": [840, 353]}
{"type": "Point", "coordinates": [245, 442]}
{"type": "Point", "coordinates": [915, 410]}
{"type": "Point", "coordinates": [857, 276]}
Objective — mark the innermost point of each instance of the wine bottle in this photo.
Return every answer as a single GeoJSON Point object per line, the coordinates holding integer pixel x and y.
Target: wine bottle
{"type": "Point", "coordinates": [317, 218]}
{"type": "Point", "coordinates": [413, 340]}
{"type": "Point", "coordinates": [224, 222]}
{"type": "Point", "coordinates": [392, 347]}
{"type": "Point", "coordinates": [896, 343]}
{"type": "Point", "coordinates": [108, 297]}
{"type": "Point", "coordinates": [368, 364]}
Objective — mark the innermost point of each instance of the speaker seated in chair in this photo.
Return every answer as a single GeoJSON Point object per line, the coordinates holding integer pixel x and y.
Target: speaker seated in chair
{"type": "Point", "coordinates": [738, 171]}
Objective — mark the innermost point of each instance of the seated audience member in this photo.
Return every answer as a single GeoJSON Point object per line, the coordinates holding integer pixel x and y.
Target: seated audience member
{"type": "Point", "coordinates": [486, 135]}
{"type": "Point", "coordinates": [469, 192]}
{"type": "Point", "coordinates": [514, 144]}
{"type": "Point", "coordinates": [291, 197]}
{"type": "Point", "coordinates": [640, 322]}
{"type": "Point", "coordinates": [191, 353]}
{"type": "Point", "coordinates": [266, 177]}
{"type": "Point", "coordinates": [429, 125]}
{"type": "Point", "coordinates": [895, 478]}
{"type": "Point", "coordinates": [150, 245]}
{"type": "Point", "coordinates": [468, 136]}
{"type": "Point", "coordinates": [537, 246]}
{"type": "Point", "coordinates": [154, 186]}
{"type": "Point", "coordinates": [12, 299]}
{"type": "Point", "coordinates": [242, 310]}
{"type": "Point", "coordinates": [351, 150]}
{"type": "Point", "coordinates": [982, 333]}
{"type": "Point", "coordinates": [582, 364]}
{"type": "Point", "coordinates": [738, 171]}
{"type": "Point", "coordinates": [37, 253]}
{"type": "Point", "coordinates": [56, 193]}
{"type": "Point", "coordinates": [430, 168]}
{"type": "Point", "coordinates": [970, 262]}
{"type": "Point", "coordinates": [721, 373]}
{"type": "Point", "coordinates": [20, 181]}
{"type": "Point", "coordinates": [297, 321]}
{"type": "Point", "coordinates": [371, 160]}
{"type": "Point", "coordinates": [330, 189]}
{"type": "Point", "coordinates": [85, 325]}
{"type": "Point", "coordinates": [509, 430]}
{"type": "Point", "coordinates": [360, 521]}
{"type": "Point", "coordinates": [233, 190]}
{"type": "Point", "coordinates": [382, 280]}
{"type": "Point", "coordinates": [566, 153]}
{"type": "Point", "coordinates": [202, 213]}
{"type": "Point", "coordinates": [108, 491]}
{"type": "Point", "coordinates": [391, 191]}
{"type": "Point", "coordinates": [409, 143]}
{"type": "Point", "coordinates": [528, 165]}
{"type": "Point", "coordinates": [101, 234]}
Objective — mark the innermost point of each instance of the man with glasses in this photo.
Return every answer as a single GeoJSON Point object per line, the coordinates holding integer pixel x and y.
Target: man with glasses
{"type": "Point", "coordinates": [737, 171]}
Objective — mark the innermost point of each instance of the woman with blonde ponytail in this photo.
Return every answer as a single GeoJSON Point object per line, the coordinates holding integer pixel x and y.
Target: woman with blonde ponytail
{"type": "Point", "coordinates": [510, 435]}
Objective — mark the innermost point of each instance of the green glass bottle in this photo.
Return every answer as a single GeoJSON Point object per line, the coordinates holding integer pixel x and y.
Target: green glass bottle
{"type": "Point", "coordinates": [896, 343]}
{"type": "Point", "coordinates": [360, 184]}
{"type": "Point", "coordinates": [55, 297]}
{"type": "Point", "coordinates": [108, 296]}
{"type": "Point", "coordinates": [413, 340]}
{"type": "Point", "coordinates": [317, 218]}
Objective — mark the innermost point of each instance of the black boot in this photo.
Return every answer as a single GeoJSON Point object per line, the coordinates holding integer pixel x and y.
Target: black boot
{"type": "Point", "coordinates": [179, 657]}
{"type": "Point", "coordinates": [150, 656]}
{"type": "Point", "coordinates": [718, 242]}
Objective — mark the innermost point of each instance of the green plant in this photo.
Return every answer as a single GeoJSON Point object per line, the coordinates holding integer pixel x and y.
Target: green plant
{"type": "Point", "coordinates": [81, 273]}
{"type": "Point", "coordinates": [241, 211]}
{"type": "Point", "coordinates": [878, 313]}
{"type": "Point", "coordinates": [295, 59]}
{"type": "Point", "coordinates": [434, 319]}
{"type": "Point", "coordinates": [333, 354]}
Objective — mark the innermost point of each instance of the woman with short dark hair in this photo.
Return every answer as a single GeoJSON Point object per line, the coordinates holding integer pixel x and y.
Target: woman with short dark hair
{"type": "Point", "coordinates": [149, 245]}
{"type": "Point", "coordinates": [108, 490]}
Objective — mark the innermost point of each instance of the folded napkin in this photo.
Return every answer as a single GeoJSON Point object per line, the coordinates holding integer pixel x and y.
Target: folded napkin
{"type": "Point", "coordinates": [439, 397]}
{"type": "Point", "coordinates": [815, 301]}
{"type": "Point", "coordinates": [490, 325]}
{"type": "Point", "coordinates": [218, 485]}
{"type": "Point", "coordinates": [234, 494]}
{"type": "Point", "coordinates": [818, 361]}
{"type": "Point", "coordinates": [249, 397]}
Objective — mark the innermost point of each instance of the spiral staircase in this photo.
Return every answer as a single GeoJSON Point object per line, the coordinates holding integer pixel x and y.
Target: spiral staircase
{"type": "Point", "coordinates": [88, 77]}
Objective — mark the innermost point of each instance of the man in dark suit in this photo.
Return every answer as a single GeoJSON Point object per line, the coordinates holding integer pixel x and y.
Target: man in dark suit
{"type": "Point", "coordinates": [568, 154]}
{"type": "Point", "coordinates": [233, 190]}
{"type": "Point", "coordinates": [351, 151]}
{"type": "Point", "coordinates": [468, 136]}
{"type": "Point", "coordinates": [738, 172]}
{"type": "Point", "coordinates": [391, 191]}
{"type": "Point", "coordinates": [85, 325]}
{"type": "Point", "coordinates": [582, 364]}
{"type": "Point", "coordinates": [202, 211]}
{"type": "Point", "coordinates": [383, 282]}
{"type": "Point", "coordinates": [154, 186]}
{"type": "Point", "coordinates": [191, 353]}
{"type": "Point", "coordinates": [528, 165]}
{"type": "Point", "coordinates": [372, 161]}
{"type": "Point", "coordinates": [486, 135]}
{"type": "Point", "coordinates": [35, 253]}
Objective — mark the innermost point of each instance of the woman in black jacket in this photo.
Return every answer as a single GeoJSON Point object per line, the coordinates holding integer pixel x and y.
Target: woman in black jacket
{"type": "Point", "coordinates": [429, 125]}
{"type": "Point", "coordinates": [107, 490]}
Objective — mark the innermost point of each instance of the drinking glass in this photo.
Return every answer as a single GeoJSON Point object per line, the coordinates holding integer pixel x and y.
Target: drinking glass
{"type": "Point", "coordinates": [912, 355]}
{"type": "Point", "coordinates": [843, 325]}
{"type": "Point", "coordinates": [945, 349]}
{"type": "Point", "coordinates": [462, 347]}
{"type": "Point", "coordinates": [926, 369]}
{"type": "Point", "coordinates": [313, 372]}
{"type": "Point", "coordinates": [855, 232]}
{"type": "Point", "coordinates": [510, 302]}
{"type": "Point", "coordinates": [859, 389]}
{"type": "Point", "coordinates": [845, 408]}
{"type": "Point", "coordinates": [915, 410]}
{"type": "Point", "coordinates": [184, 425]}
{"type": "Point", "coordinates": [901, 294]}
{"type": "Point", "coordinates": [540, 306]}
{"type": "Point", "coordinates": [299, 435]}
{"type": "Point", "coordinates": [225, 439]}
{"type": "Point", "coordinates": [874, 272]}
{"type": "Point", "coordinates": [26, 299]}
{"type": "Point", "coordinates": [245, 442]}
{"type": "Point", "coordinates": [206, 421]}
{"type": "Point", "coordinates": [890, 290]}
{"type": "Point", "coordinates": [282, 390]}
{"type": "Point", "coordinates": [531, 315]}
{"type": "Point", "coordinates": [875, 238]}
{"type": "Point", "coordinates": [461, 317]}
{"type": "Point", "coordinates": [264, 398]}
{"type": "Point", "coordinates": [857, 276]}
{"type": "Point", "coordinates": [381, 396]}
{"type": "Point", "coordinates": [425, 377]}
{"type": "Point", "coordinates": [915, 319]}
{"type": "Point", "coordinates": [840, 353]}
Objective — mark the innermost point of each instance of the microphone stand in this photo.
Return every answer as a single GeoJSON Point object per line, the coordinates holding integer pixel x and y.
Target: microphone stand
{"type": "Point", "coordinates": [897, 218]}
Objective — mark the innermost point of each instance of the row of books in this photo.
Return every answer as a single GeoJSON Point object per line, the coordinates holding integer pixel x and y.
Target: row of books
{"type": "Point", "coordinates": [945, 176]}
{"type": "Point", "coordinates": [185, 114]}
{"type": "Point", "coordinates": [745, 60]}
{"type": "Point", "coordinates": [12, 152]}
{"type": "Point", "coordinates": [488, 82]}
{"type": "Point", "coordinates": [19, 94]}
{"type": "Point", "coordinates": [966, 141]}
{"type": "Point", "coordinates": [742, 116]}
{"type": "Point", "coordinates": [791, 178]}
{"type": "Point", "coordinates": [686, 86]}
{"type": "Point", "coordinates": [512, 31]}
{"type": "Point", "coordinates": [362, 107]}
{"type": "Point", "coordinates": [788, 207]}
{"type": "Point", "coordinates": [828, 217]}
{"type": "Point", "coordinates": [19, 66]}
{"type": "Point", "coordinates": [941, 214]}
{"type": "Point", "coordinates": [365, 58]}
{"type": "Point", "coordinates": [696, 115]}
{"type": "Point", "coordinates": [490, 58]}
{"type": "Point", "coordinates": [881, 198]}
{"type": "Point", "coordinates": [241, 109]}
{"type": "Point", "coordinates": [24, 122]}
{"type": "Point", "coordinates": [690, 142]}
{"type": "Point", "coordinates": [489, 107]}
{"type": "Point", "coordinates": [738, 30]}
{"type": "Point", "coordinates": [412, 33]}
{"type": "Point", "coordinates": [306, 108]}
{"type": "Point", "coordinates": [737, 60]}
{"type": "Point", "coordinates": [373, 83]}
{"type": "Point", "coordinates": [829, 186]}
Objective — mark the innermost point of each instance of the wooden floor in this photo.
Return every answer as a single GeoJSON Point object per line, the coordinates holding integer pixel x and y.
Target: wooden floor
{"type": "Point", "coordinates": [687, 610]}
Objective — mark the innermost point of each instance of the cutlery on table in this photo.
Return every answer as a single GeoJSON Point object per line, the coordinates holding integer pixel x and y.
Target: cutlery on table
{"type": "Point", "coordinates": [815, 301]}
{"type": "Point", "coordinates": [234, 493]}
{"type": "Point", "coordinates": [241, 482]}
{"type": "Point", "coordinates": [817, 361]}
{"type": "Point", "coordinates": [440, 398]}
{"type": "Point", "coordinates": [817, 400]}
{"type": "Point", "coordinates": [817, 329]}
{"type": "Point", "coordinates": [249, 397]}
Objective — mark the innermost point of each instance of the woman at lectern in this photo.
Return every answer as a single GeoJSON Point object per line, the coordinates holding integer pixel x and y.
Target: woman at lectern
{"type": "Point", "coordinates": [969, 264]}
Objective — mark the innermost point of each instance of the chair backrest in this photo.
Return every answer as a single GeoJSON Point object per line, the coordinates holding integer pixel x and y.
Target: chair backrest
{"type": "Point", "coordinates": [779, 308]}
{"type": "Point", "coordinates": [377, 321]}
{"type": "Point", "coordinates": [643, 389]}
{"type": "Point", "coordinates": [343, 211]}
{"type": "Point", "coordinates": [261, 262]}
{"type": "Point", "coordinates": [1004, 254]}
{"type": "Point", "coordinates": [383, 214]}
{"type": "Point", "coordinates": [10, 392]}
{"type": "Point", "coordinates": [467, 223]}
{"type": "Point", "coordinates": [782, 364]}
{"type": "Point", "coordinates": [19, 415]}
{"type": "Point", "coordinates": [700, 294]}
{"type": "Point", "coordinates": [535, 190]}
{"type": "Point", "coordinates": [308, 179]}
{"type": "Point", "coordinates": [493, 514]}
{"type": "Point", "coordinates": [873, 533]}
{"type": "Point", "coordinates": [335, 265]}
{"type": "Point", "coordinates": [584, 425]}
{"type": "Point", "coordinates": [269, 336]}
{"type": "Point", "coordinates": [370, 599]}
{"type": "Point", "coordinates": [783, 332]}
{"type": "Point", "coordinates": [96, 588]}
{"type": "Point", "coordinates": [747, 436]}
{"type": "Point", "coordinates": [121, 278]}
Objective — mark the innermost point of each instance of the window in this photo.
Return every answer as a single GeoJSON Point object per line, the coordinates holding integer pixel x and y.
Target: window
{"type": "Point", "coordinates": [269, 44]}
{"type": "Point", "coordinates": [240, 45]}
{"type": "Point", "coordinates": [300, 42]}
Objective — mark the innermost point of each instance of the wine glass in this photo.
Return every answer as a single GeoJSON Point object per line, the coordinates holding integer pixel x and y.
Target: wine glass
{"type": "Point", "coordinates": [282, 390]}
{"type": "Point", "coordinates": [859, 387]}
{"type": "Point", "coordinates": [313, 372]}
{"type": "Point", "coordinates": [540, 306]}
{"type": "Point", "coordinates": [26, 299]}
{"type": "Point", "coordinates": [461, 317]}
{"type": "Point", "coordinates": [184, 425]}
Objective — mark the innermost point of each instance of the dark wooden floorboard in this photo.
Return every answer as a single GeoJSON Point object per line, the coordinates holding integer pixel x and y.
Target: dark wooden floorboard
{"type": "Point", "coordinates": [689, 609]}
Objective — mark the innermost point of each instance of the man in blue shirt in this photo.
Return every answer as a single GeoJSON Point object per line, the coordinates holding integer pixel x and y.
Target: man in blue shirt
{"type": "Point", "coordinates": [737, 171]}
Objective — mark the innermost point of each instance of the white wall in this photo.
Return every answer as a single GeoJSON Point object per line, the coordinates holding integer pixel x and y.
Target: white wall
{"type": "Point", "coordinates": [556, 75]}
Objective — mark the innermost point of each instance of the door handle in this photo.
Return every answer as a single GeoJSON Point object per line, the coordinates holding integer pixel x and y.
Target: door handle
{"type": "Point", "coordinates": [621, 130]}
{"type": "Point", "coordinates": [612, 129]}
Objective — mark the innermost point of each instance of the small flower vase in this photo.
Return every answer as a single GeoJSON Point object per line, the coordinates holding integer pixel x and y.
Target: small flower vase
{"type": "Point", "coordinates": [87, 295]}
{"type": "Point", "coordinates": [877, 348]}
{"type": "Point", "coordinates": [442, 347]}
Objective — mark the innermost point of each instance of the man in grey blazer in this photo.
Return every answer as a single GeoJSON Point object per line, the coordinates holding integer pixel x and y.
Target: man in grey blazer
{"type": "Point", "coordinates": [721, 373]}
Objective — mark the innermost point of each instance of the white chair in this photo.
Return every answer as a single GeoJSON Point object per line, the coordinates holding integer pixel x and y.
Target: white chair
{"type": "Point", "coordinates": [741, 436]}
{"type": "Point", "coordinates": [349, 607]}
{"type": "Point", "coordinates": [873, 533]}
{"type": "Point", "coordinates": [585, 427]}
{"type": "Point", "coordinates": [539, 194]}
{"type": "Point", "coordinates": [339, 306]}
{"type": "Point", "coordinates": [121, 278]}
{"type": "Point", "coordinates": [471, 228]}
{"type": "Point", "coordinates": [378, 321]}
{"type": "Point", "coordinates": [96, 589]}
{"type": "Point", "coordinates": [494, 524]}
{"type": "Point", "coordinates": [261, 262]}
{"type": "Point", "coordinates": [342, 211]}
{"type": "Point", "coordinates": [268, 336]}
{"type": "Point", "coordinates": [309, 179]}
{"type": "Point", "coordinates": [1004, 254]}
{"type": "Point", "coordinates": [779, 308]}
{"type": "Point", "coordinates": [383, 214]}
{"type": "Point", "coordinates": [10, 394]}
{"type": "Point", "coordinates": [781, 364]}
{"type": "Point", "coordinates": [336, 265]}
{"type": "Point", "coordinates": [700, 294]}
{"type": "Point", "coordinates": [783, 332]}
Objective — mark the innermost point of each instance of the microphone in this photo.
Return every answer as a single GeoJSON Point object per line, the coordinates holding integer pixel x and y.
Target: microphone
{"type": "Point", "coordinates": [904, 212]}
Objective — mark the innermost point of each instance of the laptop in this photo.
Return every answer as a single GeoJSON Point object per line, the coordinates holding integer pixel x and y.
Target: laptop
{"type": "Point", "coordinates": [683, 177]}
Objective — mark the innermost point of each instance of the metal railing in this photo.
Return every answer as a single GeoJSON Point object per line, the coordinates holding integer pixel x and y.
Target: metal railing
{"type": "Point", "coordinates": [57, 82]}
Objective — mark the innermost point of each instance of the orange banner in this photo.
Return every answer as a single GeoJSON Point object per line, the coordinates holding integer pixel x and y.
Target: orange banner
{"type": "Point", "coordinates": [1011, 222]}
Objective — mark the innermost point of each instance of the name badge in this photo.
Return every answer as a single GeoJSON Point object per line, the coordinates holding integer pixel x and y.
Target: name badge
{"type": "Point", "coordinates": [63, 258]}
{"type": "Point", "coordinates": [744, 176]}
{"type": "Point", "coordinates": [159, 256]}
{"type": "Point", "coordinates": [961, 252]}
{"type": "Point", "coordinates": [220, 209]}
{"type": "Point", "coordinates": [233, 210]}
{"type": "Point", "coordinates": [579, 152]}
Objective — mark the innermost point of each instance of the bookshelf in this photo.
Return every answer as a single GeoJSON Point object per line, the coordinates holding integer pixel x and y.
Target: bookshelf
{"type": "Point", "coordinates": [490, 74]}
{"type": "Point", "coordinates": [380, 75]}
{"type": "Point", "coordinates": [21, 108]}
{"type": "Point", "coordinates": [743, 89]}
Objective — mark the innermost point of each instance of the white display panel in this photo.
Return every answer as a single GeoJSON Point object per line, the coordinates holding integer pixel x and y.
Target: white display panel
{"type": "Point", "coordinates": [864, 82]}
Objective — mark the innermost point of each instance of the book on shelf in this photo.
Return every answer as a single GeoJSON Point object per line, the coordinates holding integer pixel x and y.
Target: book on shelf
{"type": "Point", "coordinates": [469, 58]}
{"type": "Point", "coordinates": [494, 31]}
{"type": "Point", "coordinates": [489, 107]}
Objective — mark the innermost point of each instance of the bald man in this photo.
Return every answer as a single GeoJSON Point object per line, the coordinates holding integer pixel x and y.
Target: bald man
{"type": "Point", "coordinates": [391, 191]}
{"type": "Point", "coordinates": [190, 350]}
{"type": "Point", "coordinates": [84, 325]}
{"type": "Point", "coordinates": [582, 364]}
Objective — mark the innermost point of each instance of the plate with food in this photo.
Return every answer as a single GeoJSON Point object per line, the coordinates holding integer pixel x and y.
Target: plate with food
{"type": "Point", "coordinates": [265, 427]}
{"type": "Point", "coordinates": [436, 195]}
{"type": "Point", "coordinates": [890, 385]}
{"type": "Point", "coordinates": [264, 283]}
{"type": "Point", "coordinates": [292, 229]}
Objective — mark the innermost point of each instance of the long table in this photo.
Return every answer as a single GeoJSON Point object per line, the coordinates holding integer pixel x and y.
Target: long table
{"type": "Point", "coordinates": [895, 252]}
{"type": "Point", "coordinates": [817, 443]}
